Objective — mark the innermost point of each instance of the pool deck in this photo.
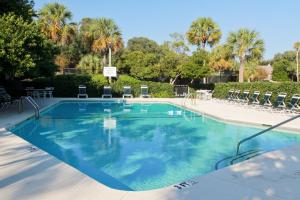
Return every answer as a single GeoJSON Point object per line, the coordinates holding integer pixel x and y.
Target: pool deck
{"type": "Point", "coordinates": [26, 173]}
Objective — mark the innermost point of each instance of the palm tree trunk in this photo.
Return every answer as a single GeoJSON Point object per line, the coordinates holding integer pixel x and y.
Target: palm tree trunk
{"type": "Point", "coordinates": [297, 70]}
{"type": "Point", "coordinates": [109, 57]}
{"type": "Point", "coordinates": [241, 71]}
{"type": "Point", "coordinates": [104, 60]}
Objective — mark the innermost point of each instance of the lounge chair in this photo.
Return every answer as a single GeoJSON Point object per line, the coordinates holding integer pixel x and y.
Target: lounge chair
{"type": "Point", "coordinates": [107, 92]}
{"type": "Point", "coordinates": [82, 91]}
{"type": "Point", "coordinates": [29, 91]}
{"type": "Point", "coordinates": [255, 98]}
{"type": "Point", "coordinates": [236, 95]}
{"type": "Point", "coordinates": [279, 102]}
{"type": "Point", "coordinates": [245, 96]}
{"type": "Point", "coordinates": [6, 100]}
{"type": "Point", "coordinates": [127, 92]}
{"type": "Point", "coordinates": [49, 92]}
{"type": "Point", "coordinates": [144, 91]}
{"type": "Point", "coordinates": [230, 94]}
{"type": "Point", "coordinates": [293, 105]}
{"type": "Point", "coordinates": [266, 100]}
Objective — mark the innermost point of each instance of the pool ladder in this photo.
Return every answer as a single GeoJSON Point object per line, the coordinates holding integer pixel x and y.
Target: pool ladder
{"type": "Point", "coordinates": [190, 96]}
{"type": "Point", "coordinates": [36, 107]}
{"type": "Point", "coordinates": [251, 153]}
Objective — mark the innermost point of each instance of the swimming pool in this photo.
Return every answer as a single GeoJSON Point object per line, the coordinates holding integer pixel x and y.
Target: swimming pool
{"type": "Point", "coordinates": [140, 146]}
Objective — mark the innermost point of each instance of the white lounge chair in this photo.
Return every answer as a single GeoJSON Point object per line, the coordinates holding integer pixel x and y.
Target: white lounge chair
{"type": "Point", "coordinates": [107, 92]}
{"type": "Point", "coordinates": [144, 91]}
{"type": "Point", "coordinates": [82, 92]}
{"type": "Point", "coordinates": [127, 92]}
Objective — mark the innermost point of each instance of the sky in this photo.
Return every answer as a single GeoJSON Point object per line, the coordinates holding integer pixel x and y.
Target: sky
{"type": "Point", "coordinates": [277, 21]}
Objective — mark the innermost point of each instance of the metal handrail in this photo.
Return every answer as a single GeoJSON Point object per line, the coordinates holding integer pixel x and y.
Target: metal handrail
{"type": "Point", "coordinates": [189, 96]}
{"type": "Point", "coordinates": [36, 107]}
{"type": "Point", "coordinates": [261, 132]}
{"type": "Point", "coordinates": [233, 158]}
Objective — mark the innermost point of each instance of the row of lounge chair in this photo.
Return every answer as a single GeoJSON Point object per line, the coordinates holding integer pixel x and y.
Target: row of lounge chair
{"type": "Point", "coordinates": [6, 100]}
{"type": "Point", "coordinates": [246, 98]}
{"type": "Point", "coordinates": [107, 92]}
{"type": "Point", "coordinates": [46, 92]}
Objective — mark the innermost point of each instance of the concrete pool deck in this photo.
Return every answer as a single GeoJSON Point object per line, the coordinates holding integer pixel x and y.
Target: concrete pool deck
{"type": "Point", "coordinates": [29, 174]}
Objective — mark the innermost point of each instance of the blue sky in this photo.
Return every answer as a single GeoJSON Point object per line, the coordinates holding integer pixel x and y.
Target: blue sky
{"type": "Point", "coordinates": [276, 20]}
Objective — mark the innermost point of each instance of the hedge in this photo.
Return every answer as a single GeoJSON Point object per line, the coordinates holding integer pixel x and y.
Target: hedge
{"type": "Point", "coordinates": [291, 88]}
{"type": "Point", "coordinates": [156, 89]}
{"type": "Point", "coordinates": [67, 85]}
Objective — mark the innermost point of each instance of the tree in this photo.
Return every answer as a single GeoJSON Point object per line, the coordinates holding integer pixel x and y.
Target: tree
{"type": "Point", "coordinates": [142, 65]}
{"type": "Point", "coordinates": [279, 70]}
{"type": "Point", "coordinates": [245, 45]}
{"type": "Point", "coordinates": [68, 34]}
{"type": "Point", "coordinates": [288, 61]}
{"type": "Point", "coordinates": [250, 70]}
{"type": "Point", "coordinates": [23, 49]}
{"type": "Point", "coordinates": [221, 59]}
{"type": "Point", "coordinates": [90, 64]}
{"type": "Point", "coordinates": [23, 8]}
{"type": "Point", "coordinates": [196, 66]}
{"type": "Point", "coordinates": [105, 37]}
{"type": "Point", "coordinates": [178, 44]}
{"type": "Point", "coordinates": [297, 48]}
{"type": "Point", "coordinates": [143, 44]}
{"type": "Point", "coordinates": [53, 19]}
{"type": "Point", "coordinates": [204, 31]}
{"type": "Point", "coordinates": [170, 64]}
{"type": "Point", "coordinates": [69, 55]}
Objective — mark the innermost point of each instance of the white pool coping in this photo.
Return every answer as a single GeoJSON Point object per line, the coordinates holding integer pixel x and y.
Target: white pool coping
{"type": "Point", "coordinates": [38, 175]}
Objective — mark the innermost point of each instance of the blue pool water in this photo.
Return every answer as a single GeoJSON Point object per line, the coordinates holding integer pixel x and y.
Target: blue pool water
{"type": "Point", "coordinates": [139, 146]}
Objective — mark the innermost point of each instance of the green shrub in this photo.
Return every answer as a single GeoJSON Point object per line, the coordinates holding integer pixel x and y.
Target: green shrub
{"type": "Point", "coordinates": [67, 85]}
{"type": "Point", "coordinates": [156, 89]}
{"type": "Point", "coordinates": [124, 80]}
{"type": "Point", "coordinates": [221, 89]}
{"type": "Point", "coordinates": [160, 90]}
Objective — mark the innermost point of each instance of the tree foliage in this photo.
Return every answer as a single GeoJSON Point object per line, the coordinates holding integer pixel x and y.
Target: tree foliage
{"type": "Point", "coordinates": [23, 49]}
{"type": "Point", "coordinates": [23, 8]}
{"type": "Point", "coordinates": [197, 66]}
{"type": "Point", "coordinates": [284, 66]}
{"type": "Point", "coordinates": [100, 35]}
{"type": "Point", "coordinates": [143, 45]}
{"type": "Point", "coordinates": [142, 65]}
{"type": "Point", "coordinates": [246, 46]}
{"type": "Point", "coordinates": [53, 19]}
{"type": "Point", "coordinates": [90, 64]}
{"type": "Point", "coordinates": [280, 70]}
{"type": "Point", "coordinates": [221, 58]}
{"type": "Point", "coordinates": [204, 31]}
{"type": "Point", "coordinates": [170, 64]}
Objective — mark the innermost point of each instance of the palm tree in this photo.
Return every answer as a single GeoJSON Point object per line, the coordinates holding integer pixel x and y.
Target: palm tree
{"type": "Point", "coordinates": [297, 48]}
{"type": "Point", "coordinates": [53, 17]}
{"type": "Point", "coordinates": [89, 64]}
{"type": "Point", "coordinates": [204, 31]}
{"type": "Point", "coordinates": [107, 37]}
{"type": "Point", "coordinates": [245, 45]}
{"type": "Point", "coordinates": [68, 33]}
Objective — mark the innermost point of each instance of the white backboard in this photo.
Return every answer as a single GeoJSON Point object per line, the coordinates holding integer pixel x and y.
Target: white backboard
{"type": "Point", "coordinates": [110, 71]}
